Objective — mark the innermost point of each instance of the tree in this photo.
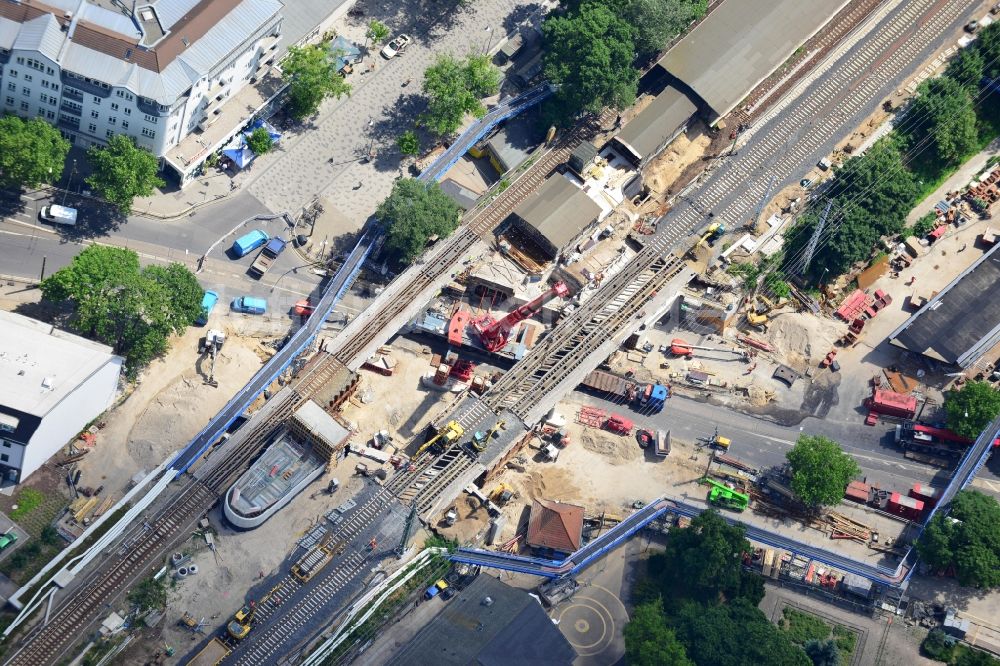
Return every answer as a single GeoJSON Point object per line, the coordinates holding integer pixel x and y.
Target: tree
{"type": "Point", "coordinates": [972, 409]}
{"type": "Point", "coordinates": [378, 32]}
{"type": "Point", "coordinates": [822, 653]}
{"type": "Point", "coordinates": [942, 113]}
{"type": "Point", "coordinates": [656, 22]}
{"type": "Point", "coordinates": [589, 54]}
{"type": "Point", "coordinates": [704, 562]}
{"type": "Point", "coordinates": [924, 225]}
{"type": "Point", "coordinates": [820, 470]}
{"type": "Point", "coordinates": [413, 213]}
{"type": "Point", "coordinates": [454, 88]}
{"type": "Point", "coordinates": [967, 68]}
{"type": "Point", "coordinates": [32, 152]}
{"type": "Point", "coordinates": [123, 171]}
{"type": "Point", "coordinates": [311, 73]}
{"type": "Point", "coordinates": [408, 143]}
{"type": "Point", "coordinates": [649, 641]}
{"type": "Point", "coordinates": [970, 543]}
{"type": "Point", "coordinates": [260, 141]}
{"type": "Point", "coordinates": [132, 309]}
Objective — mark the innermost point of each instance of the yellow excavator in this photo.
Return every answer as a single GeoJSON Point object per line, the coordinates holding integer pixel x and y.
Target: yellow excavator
{"type": "Point", "coordinates": [481, 440]}
{"type": "Point", "coordinates": [757, 310]}
{"type": "Point", "coordinates": [241, 623]}
{"type": "Point", "coordinates": [450, 434]}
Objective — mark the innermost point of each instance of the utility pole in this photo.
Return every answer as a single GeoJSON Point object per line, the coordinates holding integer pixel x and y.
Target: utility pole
{"type": "Point", "coordinates": [42, 276]}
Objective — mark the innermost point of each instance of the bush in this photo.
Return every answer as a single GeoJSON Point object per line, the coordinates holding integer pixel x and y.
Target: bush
{"type": "Point", "coordinates": [27, 501]}
{"type": "Point", "coordinates": [938, 645]}
{"type": "Point", "coordinates": [803, 627]}
{"type": "Point", "coordinates": [924, 225]}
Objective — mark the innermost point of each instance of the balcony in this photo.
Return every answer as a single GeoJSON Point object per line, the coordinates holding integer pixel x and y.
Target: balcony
{"type": "Point", "coordinates": [69, 123]}
{"type": "Point", "coordinates": [85, 86]}
{"type": "Point", "coordinates": [153, 109]}
{"type": "Point", "coordinates": [71, 109]}
{"type": "Point", "coordinates": [73, 94]}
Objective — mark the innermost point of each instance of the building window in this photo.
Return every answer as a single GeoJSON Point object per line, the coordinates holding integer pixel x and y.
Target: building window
{"type": "Point", "coordinates": [10, 101]}
{"type": "Point", "coordinates": [109, 133]}
{"type": "Point", "coordinates": [114, 106]}
{"type": "Point", "coordinates": [112, 120]}
{"type": "Point", "coordinates": [128, 111]}
{"type": "Point", "coordinates": [12, 87]}
{"type": "Point", "coordinates": [95, 114]}
{"type": "Point", "coordinates": [44, 98]}
{"type": "Point", "coordinates": [20, 60]}
{"type": "Point", "coordinates": [55, 87]}
{"type": "Point", "coordinates": [27, 77]}
{"type": "Point", "coordinates": [12, 72]}
{"type": "Point", "coordinates": [92, 128]}
{"type": "Point", "coordinates": [45, 84]}
{"type": "Point", "coordinates": [148, 132]}
{"type": "Point", "coordinates": [50, 71]}
{"type": "Point", "coordinates": [151, 119]}
{"type": "Point", "coordinates": [97, 100]}
{"type": "Point", "coordinates": [124, 94]}
{"type": "Point", "coordinates": [26, 91]}
{"type": "Point", "coordinates": [124, 124]}
{"type": "Point", "coordinates": [50, 115]}
{"type": "Point", "coordinates": [4, 457]}
{"type": "Point", "coordinates": [6, 427]}
{"type": "Point", "coordinates": [24, 106]}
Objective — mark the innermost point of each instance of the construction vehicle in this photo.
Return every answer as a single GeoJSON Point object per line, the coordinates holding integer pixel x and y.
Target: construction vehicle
{"type": "Point", "coordinates": [724, 496]}
{"type": "Point", "coordinates": [719, 442]}
{"type": "Point", "coordinates": [714, 232]}
{"type": "Point", "coordinates": [267, 256]}
{"type": "Point", "coordinates": [494, 334]}
{"type": "Point", "coordinates": [311, 563]}
{"type": "Point", "coordinates": [481, 440]}
{"type": "Point", "coordinates": [451, 517]}
{"type": "Point", "coordinates": [501, 494]}
{"type": "Point", "coordinates": [758, 307]}
{"type": "Point", "coordinates": [212, 654]}
{"type": "Point", "coordinates": [211, 344]}
{"type": "Point", "coordinates": [618, 424]}
{"type": "Point", "coordinates": [450, 434]}
{"type": "Point", "coordinates": [242, 622]}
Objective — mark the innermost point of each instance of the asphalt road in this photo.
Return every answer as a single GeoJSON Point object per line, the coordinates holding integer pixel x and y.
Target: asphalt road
{"type": "Point", "coordinates": [763, 443]}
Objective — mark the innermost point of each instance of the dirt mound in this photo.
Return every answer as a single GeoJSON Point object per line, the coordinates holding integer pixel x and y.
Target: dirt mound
{"type": "Point", "coordinates": [619, 449]}
{"type": "Point", "coordinates": [801, 337]}
{"type": "Point", "coordinates": [551, 483]}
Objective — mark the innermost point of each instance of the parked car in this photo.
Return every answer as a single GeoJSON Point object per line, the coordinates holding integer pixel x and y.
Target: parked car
{"type": "Point", "coordinates": [8, 539]}
{"type": "Point", "coordinates": [396, 46]}
{"type": "Point", "coordinates": [249, 305]}
{"type": "Point", "coordinates": [806, 183]}
{"type": "Point", "coordinates": [208, 302]}
{"type": "Point", "coordinates": [246, 244]}
{"type": "Point", "coordinates": [972, 26]}
{"type": "Point", "coordinates": [59, 215]}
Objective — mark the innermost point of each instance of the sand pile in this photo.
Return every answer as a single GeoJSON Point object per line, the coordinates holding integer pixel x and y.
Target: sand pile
{"type": "Point", "coordinates": [801, 337]}
{"type": "Point", "coordinates": [551, 483]}
{"type": "Point", "coordinates": [618, 449]}
{"type": "Point", "coordinates": [759, 396]}
{"type": "Point", "coordinates": [666, 169]}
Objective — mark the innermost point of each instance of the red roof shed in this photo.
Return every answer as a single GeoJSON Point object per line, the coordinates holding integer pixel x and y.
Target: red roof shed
{"type": "Point", "coordinates": [555, 525]}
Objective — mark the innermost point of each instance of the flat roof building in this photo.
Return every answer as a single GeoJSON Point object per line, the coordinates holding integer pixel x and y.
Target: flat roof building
{"type": "Point", "coordinates": [647, 134]}
{"type": "Point", "coordinates": [962, 322]}
{"type": "Point", "coordinates": [156, 71]}
{"type": "Point", "coordinates": [52, 384]}
{"type": "Point", "coordinates": [555, 215]}
{"type": "Point", "coordinates": [489, 623]}
{"type": "Point", "coordinates": [739, 44]}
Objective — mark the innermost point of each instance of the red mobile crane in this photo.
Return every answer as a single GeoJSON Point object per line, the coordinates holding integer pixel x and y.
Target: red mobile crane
{"type": "Point", "coordinates": [494, 334]}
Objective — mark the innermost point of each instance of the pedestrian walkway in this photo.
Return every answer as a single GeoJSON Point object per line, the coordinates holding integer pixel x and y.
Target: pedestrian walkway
{"type": "Point", "coordinates": [962, 177]}
{"type": "Point", "coordinates": [325, 160]}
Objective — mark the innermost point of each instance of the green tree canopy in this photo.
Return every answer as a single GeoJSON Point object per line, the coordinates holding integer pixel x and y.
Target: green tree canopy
{"type": "Point", "coordinates": [649, 641]}
{"type": "Point", "coordinates": [970, 542]}
{"type": "Point", "coordinates": [967, 68]}
{"type": "Point", "coordinates": [971, 409]}
{"type": "Point", "coordinates": [312, 76]}
{"type": "Point", "coordinates": [589, 53]}
{"type": "Point", "coordinates": [736, 634]}
{"type": "Point", "coordinates": [820, 470]}
{"type": "Point", "coordinates": [987, 45]}
{"type": "Point", "coordinates": [943, 115]}
{"type": "Point", "coordinates": [456, 87]}
{"type": "Point", "coordinates": [260, 141]}
{"type": "Point", "coordinates": [408, 143]}
{"type": "Point", "coordinates": [123, 171]}
{"type": "Point", "coordinates": [656, 22]}
{"type": "Point", "coordinates": [705, 562]}
{"type": "Point", "coordinates": [822, 653]}
{"type": "Point", "coordinates": [413, 213]}
{"type": "Point", "coordinates": [32, 152]}
{"type": "Point", "coordinates": [377, 31]}
{"type": "Point", "coordinates": [132, 309]}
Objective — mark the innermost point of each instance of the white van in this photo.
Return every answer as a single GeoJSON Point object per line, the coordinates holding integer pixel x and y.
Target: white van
{"type": "Point", "coordinates": [59, 215]}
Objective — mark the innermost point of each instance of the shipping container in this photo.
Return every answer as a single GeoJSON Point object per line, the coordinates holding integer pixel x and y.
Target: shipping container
{"type": "Point", "coordinates": [929, 496]}
{"type": "Point", "coordinates": [904, 506]}
{"type": "Point", "coordinates": [891, 403]}
{"type": "Point", "coordinates": [858, 492]}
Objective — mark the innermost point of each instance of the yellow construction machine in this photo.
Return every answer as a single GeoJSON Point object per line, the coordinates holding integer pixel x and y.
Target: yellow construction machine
{"type": "Point", "coordinates": [448, 435]}
{"type": "Point", "coordinates": [242, 621]}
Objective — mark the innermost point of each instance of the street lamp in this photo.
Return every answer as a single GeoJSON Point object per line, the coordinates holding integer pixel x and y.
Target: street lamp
{"type": "Point", "coordinates": [489, 42]}
{"type": "Point", "coordinates": [69, 182]}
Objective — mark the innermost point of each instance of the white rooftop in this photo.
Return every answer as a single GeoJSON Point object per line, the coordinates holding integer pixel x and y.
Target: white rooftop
{"type": "Point", "coordinates": [40, 365]}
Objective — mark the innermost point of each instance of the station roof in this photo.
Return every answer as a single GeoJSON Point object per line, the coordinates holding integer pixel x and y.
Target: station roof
{"type": "Point", "coordinates": [740, 43]}
{"type": "Point", "coordinates": [962, 322]}
{"type": "Point", "coordinates": [657, 122]}
{"type": "Point", "coordinates": [41, 365]}
{"type": "Point", "coordinates": [491, 624]}
{"type": "Point", "coordinates": [555, 525]}
{"type": "Point", "coordinates": [559, 210]}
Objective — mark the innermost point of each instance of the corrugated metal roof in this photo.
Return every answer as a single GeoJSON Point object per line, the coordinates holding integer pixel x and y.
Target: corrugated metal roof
{"type": "Point", "coordinates": [657, 123]}
{"type": "Point", "coordinates": [173, 11]}
{"type": "Point", "coordinates": [559, 210]}
{"type": "Point", "coordinates": [115, 21]}
{"type": "Point", "coordinates": [41, 34]}
{"type": "Point", "coordinates": [8, 32]}
{"type": "Point", "coordinates": [740, 43]}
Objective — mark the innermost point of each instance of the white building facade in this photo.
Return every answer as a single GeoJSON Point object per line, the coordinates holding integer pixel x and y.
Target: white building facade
{"type": "Point", "coordinates": [52, 384]}
{"type": "Point", "coordinates": [156, 71]}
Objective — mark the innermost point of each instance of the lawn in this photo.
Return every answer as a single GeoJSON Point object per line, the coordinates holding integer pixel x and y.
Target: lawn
{"type": "Point", "coordinates": [803, 627]}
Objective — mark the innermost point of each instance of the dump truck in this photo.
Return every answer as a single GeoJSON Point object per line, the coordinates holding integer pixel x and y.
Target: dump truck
{"type": "Point", "coordinates": [212, 654]}
{"type": "Point", "coordinates": [890, 403]}
{"type": "Point", "coordinates": [274, 247]}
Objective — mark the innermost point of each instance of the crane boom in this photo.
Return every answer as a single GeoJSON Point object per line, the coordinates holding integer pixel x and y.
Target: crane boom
{"type": "Point", "coordinates": [494, 334]}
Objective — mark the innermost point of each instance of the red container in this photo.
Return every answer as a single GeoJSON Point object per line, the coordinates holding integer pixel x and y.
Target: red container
{"type": "Point", "coordinates": [858, 492]}
{"type": "Point", "coordinates": [926, 494]}
{"type": "Point", "coordinates": [893, 404]}
{"type": "Point", "coordinates": [907, 507]}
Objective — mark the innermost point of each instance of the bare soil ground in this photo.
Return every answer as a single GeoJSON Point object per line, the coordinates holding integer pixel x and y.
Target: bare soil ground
{"type": "Point", "coordinates": [690, 148]}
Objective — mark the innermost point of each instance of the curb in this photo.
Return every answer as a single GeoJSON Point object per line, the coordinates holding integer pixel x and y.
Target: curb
{"type": "Point", "coordinates": [53, 190]}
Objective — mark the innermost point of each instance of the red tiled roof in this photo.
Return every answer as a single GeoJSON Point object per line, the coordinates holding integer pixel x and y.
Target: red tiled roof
{"type": "Point", "coordinates": [555, 525]}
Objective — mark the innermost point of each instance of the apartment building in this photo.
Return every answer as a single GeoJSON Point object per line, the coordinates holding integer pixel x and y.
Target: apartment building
{"type": "Point", "coordinates": [159, 71]}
